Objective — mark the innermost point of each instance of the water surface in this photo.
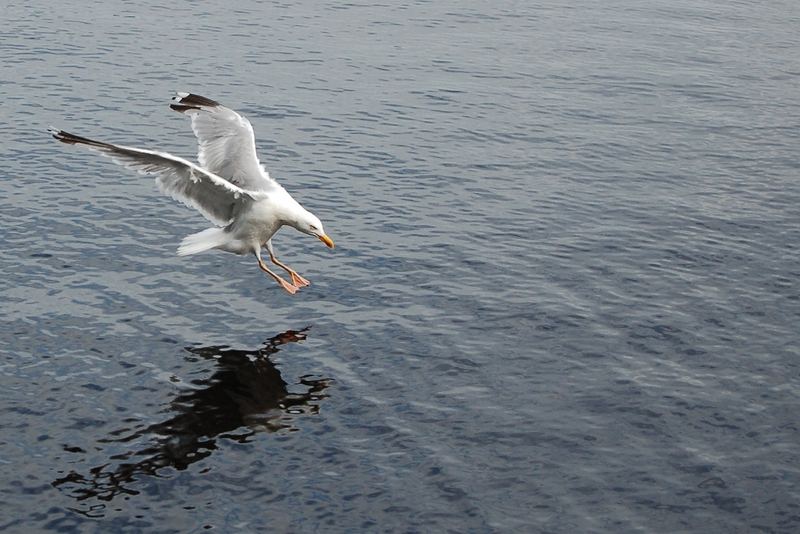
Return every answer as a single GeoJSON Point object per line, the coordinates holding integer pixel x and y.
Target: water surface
{"type": "Point", "coordinates": [564, 296]}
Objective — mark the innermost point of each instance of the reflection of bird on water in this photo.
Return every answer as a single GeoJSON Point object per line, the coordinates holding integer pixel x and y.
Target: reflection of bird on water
{"type": "Point", "coordinates": [246, 392]}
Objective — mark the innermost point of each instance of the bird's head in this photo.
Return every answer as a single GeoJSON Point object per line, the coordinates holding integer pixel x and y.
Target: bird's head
{"type": "Point", "coordinates": [308, 223]}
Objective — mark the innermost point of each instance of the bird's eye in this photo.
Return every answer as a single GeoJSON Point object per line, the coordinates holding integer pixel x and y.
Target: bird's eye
{"type": "Point", "coordinates": [312, 226]}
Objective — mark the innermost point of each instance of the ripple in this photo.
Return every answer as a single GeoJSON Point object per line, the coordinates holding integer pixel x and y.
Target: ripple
{"type": "Point", "coordinates": [564, 295]}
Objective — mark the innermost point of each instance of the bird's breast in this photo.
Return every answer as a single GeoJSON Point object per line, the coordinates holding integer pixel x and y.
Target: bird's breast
{"type": "Point", "coordinates": [258, 223]}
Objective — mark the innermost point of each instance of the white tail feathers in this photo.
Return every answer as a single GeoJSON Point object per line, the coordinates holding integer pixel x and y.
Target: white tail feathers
{"type": "Point", "coordinates": [202, 241]}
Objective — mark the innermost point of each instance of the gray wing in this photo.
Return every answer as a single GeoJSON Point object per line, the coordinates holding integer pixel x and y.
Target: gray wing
{"type": "Point", "coordinates": [227, 145]}
{"type": "Point", "coordinates": [213, 196]}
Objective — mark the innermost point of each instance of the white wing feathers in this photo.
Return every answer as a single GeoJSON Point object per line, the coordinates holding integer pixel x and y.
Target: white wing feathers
{"type": "Point", "coordinates": [226, 142]}
{"type": "Point", "coordinates": [213, 196]}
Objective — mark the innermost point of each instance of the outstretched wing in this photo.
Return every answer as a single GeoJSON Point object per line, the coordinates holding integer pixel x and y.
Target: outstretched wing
{"type": "Point", "coordinates": [211, 195]}
{"type": "Point", "coordinates": [227, 145]}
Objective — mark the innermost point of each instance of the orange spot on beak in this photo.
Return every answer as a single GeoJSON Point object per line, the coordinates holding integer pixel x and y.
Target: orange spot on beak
{"type": "Point", "coordinates": [327, 240]}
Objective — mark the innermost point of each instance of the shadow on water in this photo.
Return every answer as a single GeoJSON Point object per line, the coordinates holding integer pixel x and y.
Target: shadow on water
{"type": "Point", "coordinates": [245, 395]}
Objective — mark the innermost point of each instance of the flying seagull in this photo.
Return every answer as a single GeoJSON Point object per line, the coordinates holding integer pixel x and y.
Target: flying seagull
{"type": "Point", "coordinates": [230, 187]}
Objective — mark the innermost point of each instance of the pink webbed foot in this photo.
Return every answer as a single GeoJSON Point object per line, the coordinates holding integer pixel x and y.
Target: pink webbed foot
{"type": "Point", "coordinates": [291, 289]}
{"type": "Point", "coordinates": [298, 280]}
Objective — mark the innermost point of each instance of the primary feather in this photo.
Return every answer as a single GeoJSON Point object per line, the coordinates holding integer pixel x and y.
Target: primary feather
{"type": "Point", "coordinates": [226, 143]}
{"type": "Point", "coordinates": [213, 196]}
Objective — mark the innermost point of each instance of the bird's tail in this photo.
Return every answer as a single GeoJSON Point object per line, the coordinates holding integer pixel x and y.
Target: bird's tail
{"type": "Point", "coordinates": [202, 241]}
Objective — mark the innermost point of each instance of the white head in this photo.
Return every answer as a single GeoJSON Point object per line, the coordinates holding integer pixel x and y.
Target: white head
{"type": "Point", "coordinates": [308, 223]}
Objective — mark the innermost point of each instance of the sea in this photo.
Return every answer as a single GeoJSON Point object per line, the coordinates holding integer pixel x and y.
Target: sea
{"type": "Point", "coordinates": [564, 296]}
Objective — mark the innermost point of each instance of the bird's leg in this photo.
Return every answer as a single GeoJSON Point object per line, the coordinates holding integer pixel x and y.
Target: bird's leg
{"type": "Point", "coordinates": [297, 280]}
{"type": "Point", "coordinates": [283, 283]}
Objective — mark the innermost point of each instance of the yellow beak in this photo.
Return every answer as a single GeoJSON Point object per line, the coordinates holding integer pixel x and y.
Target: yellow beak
{"type": "Point", "coordinates": [327, 240]}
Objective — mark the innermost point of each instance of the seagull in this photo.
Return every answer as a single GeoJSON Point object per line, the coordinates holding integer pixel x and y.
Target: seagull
{"type": "Point", "coordinates": [230, 187]}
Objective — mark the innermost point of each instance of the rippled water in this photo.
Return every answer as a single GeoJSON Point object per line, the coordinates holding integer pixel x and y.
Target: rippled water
{"type": "Point", "coordinates": [564, 296]}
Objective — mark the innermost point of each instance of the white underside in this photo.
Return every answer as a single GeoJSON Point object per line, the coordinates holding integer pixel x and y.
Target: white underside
{"type": "Point", "coordinates": [208, 239]}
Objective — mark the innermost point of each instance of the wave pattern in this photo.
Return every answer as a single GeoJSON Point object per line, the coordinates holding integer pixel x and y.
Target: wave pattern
{"type": "Point", "coordinates": [564, 296]}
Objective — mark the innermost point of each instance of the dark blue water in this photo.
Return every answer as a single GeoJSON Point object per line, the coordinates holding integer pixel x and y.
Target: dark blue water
{"type": "Point", "coordinates": [564, 296]}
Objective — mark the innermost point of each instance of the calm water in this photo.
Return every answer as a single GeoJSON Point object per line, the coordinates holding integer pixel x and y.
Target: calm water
{"type": "Point", "coordinates": [564, 296]}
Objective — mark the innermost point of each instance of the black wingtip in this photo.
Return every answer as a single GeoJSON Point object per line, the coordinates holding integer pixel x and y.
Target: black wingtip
{"type": "Point", "coordinates": [72, 139]}
{"type": "Point", "coordinates": [190, 99]}
{"type": "Point", "coordinates": [61, 135]}
{"type": "Point", "coordinates": [55, 132]}
{"type": "Point", "coordinates": [181, 108]}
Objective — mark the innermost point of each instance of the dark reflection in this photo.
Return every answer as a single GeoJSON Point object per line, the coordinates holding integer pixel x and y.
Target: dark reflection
{"type": "Point", "coordinates": [245, 395]}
